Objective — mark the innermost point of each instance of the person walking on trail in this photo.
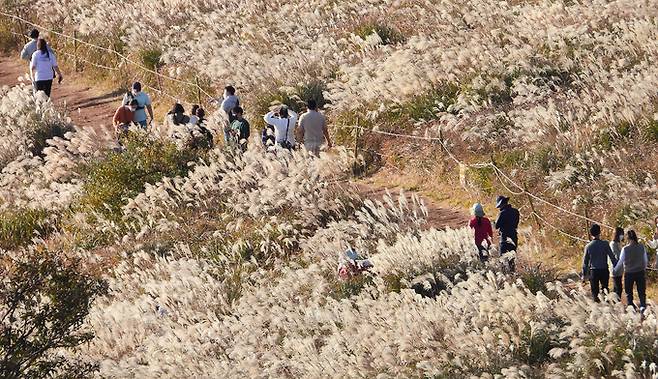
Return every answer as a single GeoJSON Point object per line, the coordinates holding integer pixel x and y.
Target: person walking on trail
{"type": "Point", "coordinates": [177, 116]}
{"type": "Point", "coordinates": [194, 119]}
{"type": "Point", "coordinates": [123, 117]}
{"type": "Point", "coordinates": [43, 67]}
{"type": "Point", "coordinates": [143, 102]}
{"type": "Point", "coordinates": [283, 122]}
{"type": "Point", "coordinates": [595, 262]}
{"type": "Point", "coordinates": [633, 263]}
{"type": "Point", "coordinates": [615, 246]}
{"type": "Point", "coordinates": [208, 140]}
{"type": "Point", "coordinates": [483, 232]}
{"type": "Point", "coordinates": [229, 102]}
{"type": "Point", "coordinates": [507, 225]}
{"type": "Point", "coordinates": [312, 130]}
{"type": "Point", "coordinates": [239, 131]}
{"type": "Point", "coordinates": [31, 47]}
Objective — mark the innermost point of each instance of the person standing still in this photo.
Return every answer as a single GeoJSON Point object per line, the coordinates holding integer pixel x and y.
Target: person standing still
{"type": "Point", "coordinates": [240, 130]}
{"type": "Point", "coordinates": [143, 101]}
{"type": "Point", "coordinates": [615, 246]}
{"type": "Point", "coordinates": [507, 225]}
{"type": "Point", "coordinates": [633, 263]}
{"type": "Point", "coordinates": [229, 103]}
{"type": "Point", "coordinates": [43, 67]}
{"type": "Point", "coordinates": [283, 122]}
{"type": "Point", "coordinates": [595, 262]}
{"type": "Point", "coordinates": [312, 130]}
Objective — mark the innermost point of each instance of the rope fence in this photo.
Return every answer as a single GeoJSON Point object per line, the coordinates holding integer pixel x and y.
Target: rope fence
{"type": "Point", "coordinates": [125, 59]}
{"type": "Point", "coordinates": [503, 178]}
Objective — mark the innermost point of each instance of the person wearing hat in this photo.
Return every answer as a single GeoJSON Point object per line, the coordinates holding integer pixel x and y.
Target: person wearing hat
{"type": "Point", "coordinates": [143, 101]}
{"type": "Point", "coordinates": [507, 225]}
{"type": "Point", "coordinates": [482, 229]}
{"type": "Point", "coordinates": [31, 47]}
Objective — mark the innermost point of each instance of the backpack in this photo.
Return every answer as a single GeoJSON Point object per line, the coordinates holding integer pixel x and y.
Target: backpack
{"type": "Point", "coordinates": [129, 98]}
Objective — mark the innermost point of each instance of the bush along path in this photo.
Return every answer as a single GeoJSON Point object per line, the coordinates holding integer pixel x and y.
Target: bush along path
{"type": "Point", "coordinates": [85, 104]}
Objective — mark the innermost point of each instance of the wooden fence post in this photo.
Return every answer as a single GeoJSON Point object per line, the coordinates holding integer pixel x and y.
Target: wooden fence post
{"type": "Point", "coordinates": [198, 90]}
{"type": "Point", "coordinates": [75, 50]}
{"type": "Point", "coordinates": [532, 206]}
{"type": "Point", "coordinates": [356, 146]}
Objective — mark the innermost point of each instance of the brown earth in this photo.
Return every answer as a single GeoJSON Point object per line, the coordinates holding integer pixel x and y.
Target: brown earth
{"type": "Point", "coordinates": [87, 105]}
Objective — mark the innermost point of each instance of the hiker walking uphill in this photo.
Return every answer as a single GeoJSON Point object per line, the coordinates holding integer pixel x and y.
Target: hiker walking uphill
{"type": "Point", "coordinates": [123, 117]}
{"type": "Point", "coordinates": [283, 122]}
{"type": "Point", "coordinates": [507, 225]}
{"type": "Point", "coordinates": [43, 67]}
{"type": "Point", "coordinates": [143, 102]}
{"type": "Point", "coordinates": [229, 102]}
{"type": "Point", "coordinates": [615, 246]}
{"type": "Point", "coordinates": [31, 47]}
{"type": "Point", "coordinates": [239, 131]}
{"type": "Point", "coordinates": [312, 131]}
{"type": "Point", "coordinates": [595, 262]}
{"type": "Point", "coordinates": [482, 229]}
{"type": "Point", "coordinates": [633, 263]}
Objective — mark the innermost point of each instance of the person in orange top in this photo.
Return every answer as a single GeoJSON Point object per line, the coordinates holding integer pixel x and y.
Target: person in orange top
{"type": "Point", "coordinates": [482, 230]}
{"type": "Point", "coordinates": [123, 117]}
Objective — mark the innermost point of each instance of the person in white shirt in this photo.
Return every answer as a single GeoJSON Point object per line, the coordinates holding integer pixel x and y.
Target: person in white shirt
{"type": "Point", "coordinates": [312, 130]}
{"type": "Point", "coordinates": [229, 102]}
{"type": "Point", "coordinates": [284, 122]}
{"type": "Point", "coordinates": [43, 67]}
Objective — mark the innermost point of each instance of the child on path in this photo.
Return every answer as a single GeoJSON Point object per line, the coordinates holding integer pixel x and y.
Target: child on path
{"type": "Point", "coordinates": [482, 231]}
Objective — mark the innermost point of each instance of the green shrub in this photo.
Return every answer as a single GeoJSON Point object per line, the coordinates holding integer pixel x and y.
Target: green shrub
{"type": "Point", "coordinates": [18, 227]}
{"type": "Point", "coordinates": [536, 277]}
{"type": "Point", "coordinates": [151, 58]}
{"type": "Point", "coordinates": [122, 175]}
{"type": "Point", "coordinates": [388, 34]}
{"type": "Point", "coordinates": [425, 106]}
{"type": "Point", "coordinates": [44, 300]}
{"type": "Point", "coordinates": [651, 131]}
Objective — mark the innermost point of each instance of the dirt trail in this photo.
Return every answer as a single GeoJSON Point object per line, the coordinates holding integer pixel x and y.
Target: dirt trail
{"type": "Point", "coordinates": [92, 107]}
{"type": "Point", "coordinates": [86, 105]}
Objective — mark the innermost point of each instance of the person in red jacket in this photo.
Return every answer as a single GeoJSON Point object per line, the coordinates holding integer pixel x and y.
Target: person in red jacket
{"type": "Point", "coordinates": [482, 230]}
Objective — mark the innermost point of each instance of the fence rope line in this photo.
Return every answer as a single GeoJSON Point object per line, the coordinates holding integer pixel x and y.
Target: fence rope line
{"type": "Point", "coordinates": [102, 48]}
{"type": "Point", "coordinates": [500, 174]}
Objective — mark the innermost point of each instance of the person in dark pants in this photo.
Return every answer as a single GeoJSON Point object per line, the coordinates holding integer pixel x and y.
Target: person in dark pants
{"type": "Point", "coordinates": [633, 263]}
{"type": "Point", "coordinates": [595, 262]}
{"type": "Point", "coordinates": [615, 246]}
{"type": "Point", "coordinates": [507, 225]}
{"type": "Point", "coordinates": [43, 67]}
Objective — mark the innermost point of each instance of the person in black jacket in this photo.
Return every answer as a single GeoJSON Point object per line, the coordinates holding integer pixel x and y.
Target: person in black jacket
{"type": "Point", "coordinates": [507, 225]}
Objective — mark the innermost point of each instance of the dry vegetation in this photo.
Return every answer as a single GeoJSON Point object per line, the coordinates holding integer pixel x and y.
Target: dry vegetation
{"type": "Point", "coordinates": [222, 265]}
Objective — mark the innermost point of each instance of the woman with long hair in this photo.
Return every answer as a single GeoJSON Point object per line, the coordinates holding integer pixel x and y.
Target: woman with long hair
{"type": "Point", "coordinates": [633, 263]}
{"type": "Point", "coordinates": [43, 67]}
{"type": "Point", "coordinates": [615, 246]}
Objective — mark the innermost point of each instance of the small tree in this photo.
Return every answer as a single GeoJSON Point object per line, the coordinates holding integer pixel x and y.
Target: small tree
{"type": "Point", "coordinates": [44, 299]}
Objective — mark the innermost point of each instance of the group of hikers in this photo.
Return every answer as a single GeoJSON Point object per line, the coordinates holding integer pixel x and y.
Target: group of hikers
{"type": "Point", "coordinates": [629, 263]}
{"type": "Point", "coordinates": [285, 129]}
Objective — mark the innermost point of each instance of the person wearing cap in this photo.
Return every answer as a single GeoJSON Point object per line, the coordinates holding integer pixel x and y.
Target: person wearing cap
{"type": "Point", "coordinates": [312, 130]}
{"type": "Point", "coordinates": [143, 101]}
{"type": "Point", "coordinates": [482, 229]}
{"type": "Point", "coordinates": [31, 47]}
{"type": "Point", "coordinates": [283, 122]}
{"type": "Point", "coordinates": [124, 116]}
{"type": "Point", "coordinates": [595, 262]}
{"type": "Point", "coordinates": [507, 225]}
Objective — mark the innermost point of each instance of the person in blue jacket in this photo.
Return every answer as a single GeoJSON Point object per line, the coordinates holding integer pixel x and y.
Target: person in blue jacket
{"type": "Point", "coordinates": [507, 225]}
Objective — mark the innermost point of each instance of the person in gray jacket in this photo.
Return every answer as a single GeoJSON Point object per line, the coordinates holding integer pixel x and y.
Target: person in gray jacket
{"type": "Point", "coordinates": [31, 47]}
{"type": "Point", "coordinates": [633, 263]}
{"type": "Point", "coordinates": [615, 246]}
{"type": "Point", "coordinates": [595, 262]}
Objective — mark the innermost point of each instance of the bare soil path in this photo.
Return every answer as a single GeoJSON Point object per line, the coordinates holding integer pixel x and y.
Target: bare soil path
{"type": "Point", "coordinates": [86, 105]}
